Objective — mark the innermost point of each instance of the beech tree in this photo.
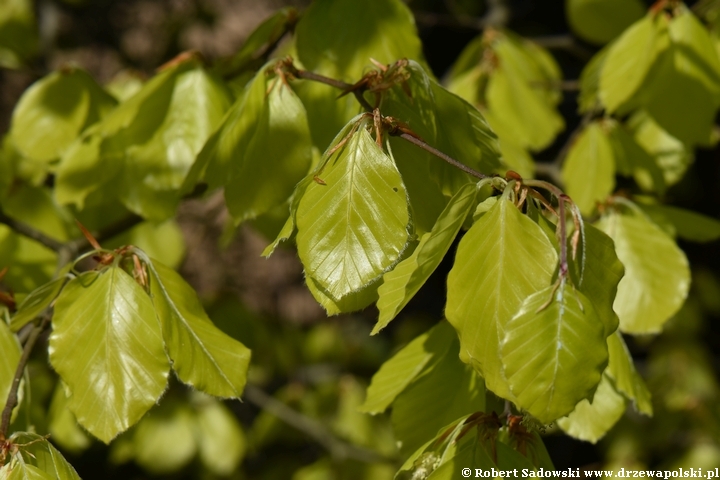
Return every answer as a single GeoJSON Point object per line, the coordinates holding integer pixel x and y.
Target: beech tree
{"type": "Point", "coordinates": [329, 126]}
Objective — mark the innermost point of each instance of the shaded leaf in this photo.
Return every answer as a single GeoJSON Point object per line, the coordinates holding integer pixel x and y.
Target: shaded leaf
{"type": "Point", "coordinates": [403, 282]}
{"type": "Point", "coordinates": [122, 370]}
{"type": "Point", "coordinates": [599, 21]}
{"type": "Point", "coordinates": [202, 355]}
{"type": "Point", "coordinates": [395, 374]}
{"type": "Point", "coordinates": [448, 389]}
{"type": "Point", "coordinates": [687, 224]}
{"type": "Point", "coordinates": [601, 273]}
{"type": "Point", "coordinates": [501, 260]}
{"type": "Point", "coordinates": [62, 425]}
{"type": "Point", "coordinates": [9, 359]}
{"type": "Point", "coordinates": [36, 302]}
{"type": "Point", "coordinates": [627, 380]}
{"type": "Point", "coordinates": [657, 276]}
{"type": "Point", "coordinates": [554, 354]}
{"type": "Point", "coordinates": [220, 439]}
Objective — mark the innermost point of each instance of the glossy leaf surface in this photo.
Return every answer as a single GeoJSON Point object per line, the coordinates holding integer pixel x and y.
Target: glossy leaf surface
{"type": "Point", "coordinates": [554, 353]}
{"type": "Point", "coordinates": [501, 260]}
{"type": "Point", "coordinates": [122, 369]}
{"type": "Point", "coordinates": [202, 355]}
{"type": "Point", "coordinates": [353, 228]}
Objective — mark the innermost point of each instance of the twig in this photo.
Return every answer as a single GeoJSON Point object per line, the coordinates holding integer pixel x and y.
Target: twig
{"type": "Point", "coordinates": [12, 398]}
{"type": "Point", "coordinates": [304, 74]}
{"type": "Point", "coordinates": [337, 447]}
{"type": "Point", "coordinates": [30, 232]}
{"type": "Point", "coordinates": [497, 15]}
{"type": "Point", "coordinates": [441, 155]}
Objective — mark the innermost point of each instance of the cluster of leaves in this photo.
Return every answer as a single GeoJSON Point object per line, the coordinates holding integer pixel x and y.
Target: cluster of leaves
{"type": "Point", "coordinates": [542, 287]}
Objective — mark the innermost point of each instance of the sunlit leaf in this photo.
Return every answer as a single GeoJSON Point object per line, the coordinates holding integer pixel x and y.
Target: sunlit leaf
{"type": "Point", "coordinates": [501, 260]}
{"type": "Point", "coordinates": [633, 160]}
{"type": "Point", "coordinates": [57, 108]}
{"type": "Point", "coordinates": [403, 282]}
{"type": "Point", "coordinates": [590, 421]}
{"type": "Point", "coordinates": [353, 228]}
{"type": "Point", "coordinates": [669, 153]}
{"type": "Point", "coordinates": [628, 381]}
{"type": "Point", "coordinates": [122, 369]}
{"type": "Point", "coordinates": [395, 375]}
{"type": "Point", "coordinates": [554, 351]}
{"type": "Point", "coordinates": [657, 276]}
{"type": "Point", "coordinates": [202, 355]}
{"type": "Point", "coordinates": [629, 60]}
{"type": "Point", "coordinates": [589, 169]}
{"type": "Point", "coordinates": [599, 21]}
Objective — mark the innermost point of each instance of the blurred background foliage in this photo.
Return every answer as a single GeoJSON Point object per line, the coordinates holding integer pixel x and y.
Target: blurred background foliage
{"type": "Point", "coordinates": [315, 370]}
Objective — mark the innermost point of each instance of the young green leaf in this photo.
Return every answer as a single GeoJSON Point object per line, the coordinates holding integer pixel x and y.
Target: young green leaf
{"type": "Point", "coordinates": [657, 276]}
{"type": "Point", "coordinates": [403, 282]}
{"type": "Point", "coordinates": [264, 172]}
{"type": "Point", "coordinates": [57, 108]}
{"type": "Point", "coordinates": [383, 30]}
{"type": "Point", "coordinates": [554, 353]}
{"type": "Point", "coordinates": [601, 273]}
{"type": "Point", "coordinates": [627, 380]}
{"type": "Point", "coordinates": [351, 302]}
{"type": "Point", "coordinates": [633, 160]}
{"type": "Point", "coordinates": [629, 60]}
{"type": "Point", "coordinates": [589, 169]}
{"type": "Point", "coordinates": [599, 21]}
{"type": "Point", "coordinates": [221, 441]}
{"type": "Point", "coordinates": [354, 227]}
{"type": "Point", "coordinates": [8, 360]}
{"type": "Point", "coordinates": [445, 391]}
{"type": "Point", "coordinates": [35, 303]}
{"type": "Point", "coordinates": [590, 421]}
{"type": "Point", "coordinates": [501, 260]}
{"type": "Point", "coordinates": [141, 152]}
{"type": "Point", "coordinates": [122, 368]}
{"type": "Point", "coordinates": [65, 431]}
{"type": "Point", "coordinates": [683, 94]}
{"type": "Point", "coordinates": [395, 375]}
{"type": "Point", "coordinates": [40, 459]}
{"type": "Point", "coordinates": [686, 224]}
{"type": "Point", "coordinates": [202, 355]}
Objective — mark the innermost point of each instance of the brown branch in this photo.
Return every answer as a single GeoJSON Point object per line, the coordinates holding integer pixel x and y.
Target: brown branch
{"type": "Point", "coordinates": [30, 232]}
{"type": "Point", "coordinates": [416, 141]}
{"type": "Point", "coordinates": [315, 77]}
{"type": "Point", "coordinates": [12, 398]}
{"type": "Point", "coordinates": [312, 428]}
